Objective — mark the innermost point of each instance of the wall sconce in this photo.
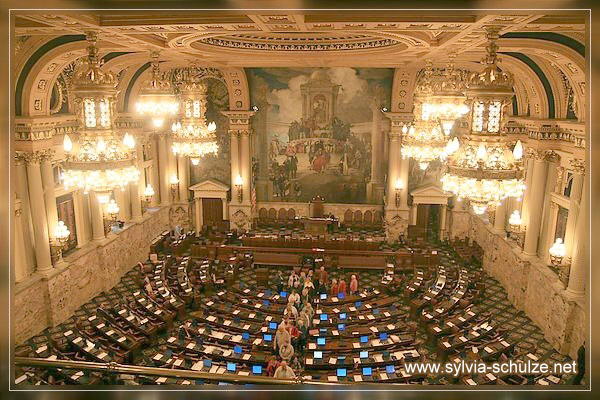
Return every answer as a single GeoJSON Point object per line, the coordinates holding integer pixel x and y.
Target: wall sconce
{"type": "Point", "coordinates": [61, 237]}
{"type": "Point", "coordinates": [174, 181]}
{"type": "Point", "coordinates": [557, 252]}
{"type": "Point", "coordinates": [112, 209]}
{"type": "Point", "coordinates": [516, 231]}
{"type": "Point", "coordinates": [239, 185]}
{"type": "Point", "coordinates": [398, 186]}
{"type": "Point", "coordinates": [514, 222]}
{"type": "Point", "coordinates": [148, 193]}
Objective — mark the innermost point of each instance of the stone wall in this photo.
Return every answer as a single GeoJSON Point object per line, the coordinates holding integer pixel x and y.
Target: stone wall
{"type": "Point", "coordinates": [531, 287]}
{"type": "Point", "coordinates": [46, 301]}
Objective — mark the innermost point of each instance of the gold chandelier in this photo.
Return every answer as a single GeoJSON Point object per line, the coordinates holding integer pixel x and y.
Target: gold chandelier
{"type": "Point", "coordinates": [447, 103]}
{"type": "Point", "coordinates": [157, 98]}
{"type": "Point", "coordinates": [100, 159]}
{"type": "Point", "coordinates": [192, 136]}
{"type": "Point", "coordinates": [486, 168]}
{"type": "Point", "coordinates": [424, 141]}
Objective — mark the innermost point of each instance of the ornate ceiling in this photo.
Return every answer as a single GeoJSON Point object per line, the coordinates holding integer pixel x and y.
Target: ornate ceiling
{"type": "Point", "coordinates": [332, 38]}
{"type": "Point", "coordinates": [546, 50]}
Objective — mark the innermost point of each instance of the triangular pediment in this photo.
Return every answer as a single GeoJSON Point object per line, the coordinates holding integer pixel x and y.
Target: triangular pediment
{"type": "Point", "coordinates": [211, 185]}
{"type": "Point", "coordinates": [429, 191]}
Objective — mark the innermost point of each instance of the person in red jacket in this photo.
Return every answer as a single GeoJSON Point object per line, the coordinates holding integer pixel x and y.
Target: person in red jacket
{"type": "Point", "coordinates": [334, 287]}
{"type": "Point", "coordinates": [272, 366]}
{"type": "Point", "coordinates": [342, 287]}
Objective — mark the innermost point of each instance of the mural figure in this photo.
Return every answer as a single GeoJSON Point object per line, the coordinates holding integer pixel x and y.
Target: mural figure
{"type": "Point", "coordinates": [318, 130]}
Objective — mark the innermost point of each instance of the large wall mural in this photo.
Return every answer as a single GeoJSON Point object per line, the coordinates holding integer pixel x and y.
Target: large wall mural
{"type": "Point", "coordinates": [315, 124]}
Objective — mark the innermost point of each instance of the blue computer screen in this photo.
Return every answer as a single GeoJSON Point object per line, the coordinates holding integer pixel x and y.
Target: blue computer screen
{"type": "Point", "coordinates": [390, 369]}
{"type": "Point", "coordinates": [364, 354]}
{"type": "Point", "coordinates": [207, 363]}
{"type": "Point", "coordinates": [341, 295]}
{"type": "Point", "coordinates": [237, 349]}
{"type": "Point", "coordinates": [283, 294]}
{"type": "Point", "coordinates": [318, 354]}
{"type": "Point", "coordinates": [383, 336]}
{"type": "Point", "coordinates": [257, 369]}
{"type": "Point", "coordinates": [267, 337]}
{"type": "Point", "coordinates": [367, 371]}
{"type": "Point", "coordinates": [323, 296]}
{"type": "Point", "coordinates": [231, 367]}
{"type": "Point", "coordinates": [341, 327]}
{"type": "Point", "coordinates": [358, 303]}
{"type": "Point", "coordinates": [343, 315]}
{"type": "Point", "coordinates": [321, 341]}
{"type": "Point", "coordinates": [364, 339]}
{"type": "Point", "coordinates": [272, 325]}
{"type": "Point", "coordinates": [341, 372]}
{"type": "Point", "coordinates": [324, 317]}
{"type": "Point", "coordinates": [245, 335]}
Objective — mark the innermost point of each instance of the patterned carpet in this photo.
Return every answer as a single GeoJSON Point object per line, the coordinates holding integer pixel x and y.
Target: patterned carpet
{"type": "Point", "coordinates": [521, 329]}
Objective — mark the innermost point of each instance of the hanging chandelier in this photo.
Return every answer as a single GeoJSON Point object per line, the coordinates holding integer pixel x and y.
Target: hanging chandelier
{"type": "Point", "coordinates": [192, 136]}
{"type": "Point", "coordinates": [485, 168]}
{"type": "Point", "coordinates": [100, 159]}
{"type": "Point", "coordinates": [424, 141]}
{"type": "Point", "coordinates": [157, 98]}
{"type": "Point", "coordinates": [446, 104]}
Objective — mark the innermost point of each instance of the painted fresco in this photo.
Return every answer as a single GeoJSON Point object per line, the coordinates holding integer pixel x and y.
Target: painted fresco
{"type": "Point", "coordinates": [315, 126]}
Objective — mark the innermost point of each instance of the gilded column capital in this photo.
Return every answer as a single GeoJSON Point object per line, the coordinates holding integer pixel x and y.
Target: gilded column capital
{"type": "Point", "coordinates": [552, 156]}
{"type": "Point", "coordinates": [535, 154]}
{"type": "Point", "coordinates": [34, 157]}
{"type": "Point", "coordinates": [240, 132]}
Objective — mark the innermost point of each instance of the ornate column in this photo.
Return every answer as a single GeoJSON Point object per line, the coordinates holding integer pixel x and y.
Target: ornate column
{"type": "Point", "coordinates": [198, 215]}
{"type": "Point", "coordinates": [79, 219]}
{"type": "Point", "coordinates": [396, 205]}
{"type": "Point", "coordinates": [443, 217]}
{"type": "Point", "coordinates": [375, 187]}
{"type": "Point", "coordinates": [122, 199]}
{"type": "Point", "coordinates": [549, 211]}
{"type": "Point", "coordinates": [184, 180]}
{"type": "Point", "coordinates": [574, 204]}
{"type": "Point", "coordinates": [580, 263]}
{"type": "Point", "coordinates": [20, 261]}
{"type": "Point", "coordinates": [23, 195]}
{"type": "Point", "coordinates": [163, 168]}
{"type": "Point", "coordinates": [136, 202]}
{"type": "Point", "coordinates": [136, 188]}
{"type": "Point", "coordinates": [154, 178]}
{"type": "Point", "coordinates": [49, 191]}
{"type": "Point", "coordinates": [97, 217]}
{"type": "Point", "coordinates": [535, 202]}
{"type": "Point", "coordinates": [240, 213]}
{"type": "Point", "coordinates": [528, 179]}
{"type": "Point", "coordinates": [38, 212]}
{"type": "Point", "coordinates": [500, 218]}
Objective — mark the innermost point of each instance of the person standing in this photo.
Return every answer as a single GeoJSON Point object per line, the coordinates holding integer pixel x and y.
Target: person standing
{"type": "Point", "coordinates": [284, 371]}
{"type": "Point", "coordinates": [353, 285]}
{"type": "Point", "coordinates": [342, 287]}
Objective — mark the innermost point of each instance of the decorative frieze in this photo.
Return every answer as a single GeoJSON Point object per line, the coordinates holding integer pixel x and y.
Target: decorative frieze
{"type": "Point", "coordinates": [578, 165]}
{"type": "Point", "coordinates": [35, 157]}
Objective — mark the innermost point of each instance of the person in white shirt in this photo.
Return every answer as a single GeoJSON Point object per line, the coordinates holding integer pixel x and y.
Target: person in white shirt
{"type": "Point", "coordinates": [286, 352]}
{"type": "Point", "coordinates": [294, 298]}
{"type": "Point", "coordinates": [291, 311]}
{"type": "Point", "coordinates": [284, 371]}
{"type": "Point", "coordinates": [281, 337]}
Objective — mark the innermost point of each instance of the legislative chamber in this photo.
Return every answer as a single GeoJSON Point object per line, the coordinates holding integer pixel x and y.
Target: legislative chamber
{"type": "Point", "coordinates": [299, 199]}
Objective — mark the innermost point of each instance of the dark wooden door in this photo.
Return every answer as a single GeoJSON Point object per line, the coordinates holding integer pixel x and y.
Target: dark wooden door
{"type": "Point", "coordinates": [212, 211]}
